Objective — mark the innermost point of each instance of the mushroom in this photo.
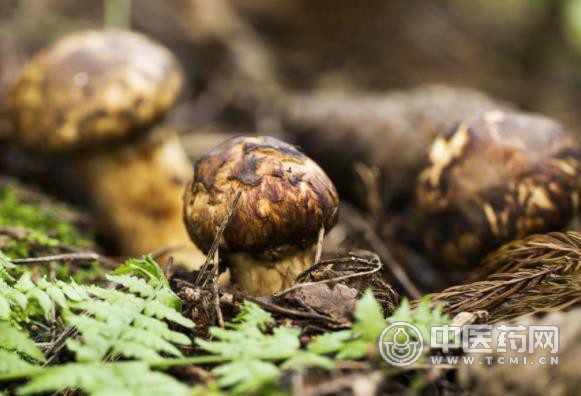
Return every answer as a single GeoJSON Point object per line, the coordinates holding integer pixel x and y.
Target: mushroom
{"type": "Point", "coordinates": [391, 132]}
{"type": "Point", "coordinates": [96, 97]}
{"type": "Point", "coordinates": [285, 200]}
{"type": "Point", "coordinates": [495, 178]}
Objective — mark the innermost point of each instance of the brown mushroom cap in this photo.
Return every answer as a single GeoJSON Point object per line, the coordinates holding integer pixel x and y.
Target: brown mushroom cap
{"type": "Point", "coordinates": [495, 178]}
{"type": "Point", "coordinates": [93, 87]}
{"type": "Point", "coordinates": [285, 198]}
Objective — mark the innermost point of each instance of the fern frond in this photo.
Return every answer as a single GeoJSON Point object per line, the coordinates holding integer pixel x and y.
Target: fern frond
{"type": "Point", "coordinates": [161, 311]}
{"type": "Point", "coordinates": [252, 316]}
{"type": "Point", "coordinates": [13, 339]}
{"type": "Point", "coordinates": [5, 266]}
{"type": "Point", "coordinates": [120, 378]}
{"type": "Point", "coordinates": [11, 362]}
{"type": "Point", "coordinates": [145, 266]}
{"type": "Point", "coordinates": [128, 322]}
{"type": "Point", "coordinates": [246, 376]}
{"type": "Point", "coordinates": [135, 285]}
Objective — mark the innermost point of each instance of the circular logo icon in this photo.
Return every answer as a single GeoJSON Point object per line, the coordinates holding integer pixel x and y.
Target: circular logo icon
{"type": "Point", "coordinates": [401, 344]}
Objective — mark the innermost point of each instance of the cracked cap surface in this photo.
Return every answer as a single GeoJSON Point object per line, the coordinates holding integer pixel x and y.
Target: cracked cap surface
{"type": "Point", "coordinates": [495, 178]}
{"type": "Point", "coordinates": [285, 198]}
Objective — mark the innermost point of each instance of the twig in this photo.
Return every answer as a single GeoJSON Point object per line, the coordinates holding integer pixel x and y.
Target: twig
{"type": "Point", "coordinates": [285, 311]}
{"type": "Point", "coordinates": [320, 240]}
{"type": "Point", "coordinates": [216, 243]}
{"type": "Point", "coordinates": [165, 251]}
{"type": "Point", "coordinates": [59, 344]}
{"type": "Point", "coordinates": [167, 271]}
{"type": "Point", "coordinates": [217, 308]}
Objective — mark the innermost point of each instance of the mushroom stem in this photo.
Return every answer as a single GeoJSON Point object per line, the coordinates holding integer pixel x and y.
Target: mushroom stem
{"type": "Point", "coordinates": [260, 277]}
{"type": "Point", "coordinates": [137, 189]}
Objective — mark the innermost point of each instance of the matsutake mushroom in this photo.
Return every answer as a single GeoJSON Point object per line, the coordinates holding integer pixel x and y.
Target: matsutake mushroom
{"type": "Point", "coordinates": [285, 199]}
{"type": "Point", "coordinates": [390, 132]}
{"type": "Point", "coordinates": [495, 178]}
{"type": "Point", "coordinates": [96, 97]}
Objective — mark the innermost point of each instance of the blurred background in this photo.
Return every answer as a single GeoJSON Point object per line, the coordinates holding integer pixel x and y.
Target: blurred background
{"type": "Point", "coordinates": [240, 56]}
{"type": "Point", "coordinates": [526, 52]}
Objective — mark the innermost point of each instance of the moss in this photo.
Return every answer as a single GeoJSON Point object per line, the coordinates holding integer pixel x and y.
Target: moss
{"type": "Point", "coordinates": [46, 219]}
{"type": "Point", "coordinates": [32, 225]}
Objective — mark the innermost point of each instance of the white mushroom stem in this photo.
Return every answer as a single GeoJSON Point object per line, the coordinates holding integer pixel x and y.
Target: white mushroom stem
{"type": "Point", "coordinates": [137, 190]}
{"type": "Point", "coordinates": [259, 277]}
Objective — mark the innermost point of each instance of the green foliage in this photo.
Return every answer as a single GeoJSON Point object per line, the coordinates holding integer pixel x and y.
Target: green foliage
{"type": "Point", "coordinates": [256, 357]}
{"type": "Point", "coordinates": [15, 340]}
{"type": "Point", "coordinates": [571, 21]}
{"type": "Point", "coordinates": [23, 299]}
{"type": "Point", "coordinates": [422, 317]}
{"type": "Point", "coordinates": [43, 220]}
{"type": "Point", "coordinates": [356, 343]}
{"type": "Point", "coordinates": [129, 321]}
{"type": "Point", "coordinates": [98, 378]}
{"type": "Point", "coordinates": [245, 337]}
{"type": "Point", "coordinates": [5, 266]}
{"type": "Point", "coordinates": [250, 350]}
{"type": "Point", "coordinates": [144, 267]}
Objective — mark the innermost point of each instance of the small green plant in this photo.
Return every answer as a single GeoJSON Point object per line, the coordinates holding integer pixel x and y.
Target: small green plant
{"type": "Point", "coordinates": [423, 316]}
{"type": "Point", "coordinates": [255, 357]}
{"type": "Point", "coordinates": [122, 336]}
{"type": "Point", "coordinates": [129, 321]}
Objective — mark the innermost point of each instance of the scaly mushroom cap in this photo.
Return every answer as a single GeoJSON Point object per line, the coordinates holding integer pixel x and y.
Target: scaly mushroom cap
{"type": "Point", "coordinates": [285, 198]}
{"type": "Point", "coordinates": [495, 178]}
{"type": "Point", "coordinates": [93, 87]}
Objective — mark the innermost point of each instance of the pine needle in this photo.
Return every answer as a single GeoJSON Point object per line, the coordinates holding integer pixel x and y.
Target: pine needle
{"type": "Point", "coordinates": [541, 273]}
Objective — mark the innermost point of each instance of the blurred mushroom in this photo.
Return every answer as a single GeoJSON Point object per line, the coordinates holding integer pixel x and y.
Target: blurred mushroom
{"type": "Point", "coordinates": [95, 97]}
{"type": "Point", "coordinates": [285, 200]}
{"type": "Point", "coordinates": [495, 178]}
{"type": "Point", "coordinates": [391, 132]}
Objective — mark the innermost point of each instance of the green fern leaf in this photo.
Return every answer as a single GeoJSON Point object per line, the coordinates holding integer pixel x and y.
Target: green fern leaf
{"type": "Point", "coordinates": [73, 291]}
{"type": "Point", "coordinates": [133, 284]}
{"type": "Point", "coordinates": [120, 378]}
{"type": "Point", "coordinates": [246, 376]}
{"type": "Point", "coordinates": [5, 266]}
{"type": "Point", "coordinates": [11, 362]}
{"type": "Point", "coordinates": [5, 310]}
{"type": "Point", "coordinates": [12, 339]}
{"type": "Point", "coordinates": [159, 327]}
{"type": "Point", "coordinates": [252, 316]}
{"type": "Point", "coordinates": [329, 342]}
{"type": "Point", "coordinates": [146, 266]}
{"type": "Point", "coordinates": [134, 350]}
{"type": "Point", "coordinates": [369, 320]}
{"type": "Point", "coordinates": [162, 311]}
{"type": "Point", "coordinates": [150, 340]}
